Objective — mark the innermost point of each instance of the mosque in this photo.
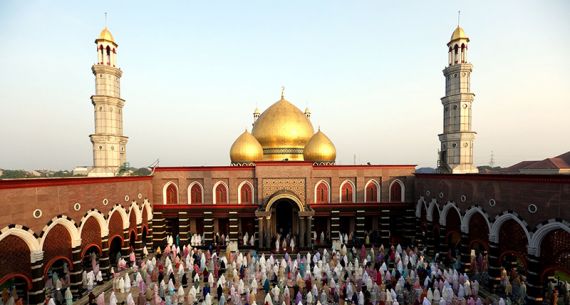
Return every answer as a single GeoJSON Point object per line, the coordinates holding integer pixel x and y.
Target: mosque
{"type": "Point", "coordinates": [283, 182]}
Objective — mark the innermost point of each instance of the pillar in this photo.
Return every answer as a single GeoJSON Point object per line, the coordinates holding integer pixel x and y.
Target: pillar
{"type": "Point", "coordinates": [138, 243]}
{"type": "Point", "coordinates": [183, 227]}
{"type": "Point", "coordinates": [234, 226]}
{"type": "Point", "coordinates": [465, 253]}
{"type": "Point", "coordinates": [208, 228]}
{"type": "Point", "coordinates": [268, 232]}
{"type": "Point", "coordinates": [125, 249]}
{"type": "Point", "coordinates": [260, 232]}
{"type": "Point", "coordinates": [302, 232]}
{"type": "Point", "coordinates": [335, 225]}
{"type": "Point", "coordinates": [361, 225]}
{"type": "Point", "coordinates": [534, 283]}
{"type": "Point", "coordinates": [409, 225]}
{"type": "Point", "coordinates": [75, 275]}
{"type": "Point", "coordinates": [309, 237]}
{"type": "Point", "coordinates": [419, 239]}
{"type": "Point", "coordinates": [149, 237]}
{"type": "Point", "coordinates": [104, 264]}
{"type": "Point", "coordinates": [385, 227]}
{"type": "Point", "coordinates": [36, 294]}
{"type": "Point", "coordinates": [494, 268]}
{"type": "Point", "coordinates": [429, 240]}
{"type": "Point", "coordinates": [442, 248]}
{"type": "Point", "coordinates": [158, 230]}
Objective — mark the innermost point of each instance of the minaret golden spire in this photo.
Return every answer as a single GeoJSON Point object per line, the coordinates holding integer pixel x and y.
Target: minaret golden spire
{"type": "Point", "coordinates": [105, 19]}
{"type": "Point", "coordinates": [458, 17]}
{"type": "Point", "coordinates": [282, 92]}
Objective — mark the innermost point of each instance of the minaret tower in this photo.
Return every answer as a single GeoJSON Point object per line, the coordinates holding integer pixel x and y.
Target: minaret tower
{"type": "Point", "coordinates": [109, 144]}
{"type": "Point", "coordinates": [456, 155]}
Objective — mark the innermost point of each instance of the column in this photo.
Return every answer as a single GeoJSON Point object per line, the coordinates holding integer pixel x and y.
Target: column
{"type": "Point", "coordinates": [309, 237]}
{"type": "Point", "coordinates": [138, 243]}
{"type": "Point", "coordinates": [419, 242]}
{"type": "Point", "coordinates": [75, 275]}
{"type": "Point", "coordinates": [183, 224]}
{"type": "Point", "coordinates": [149, 237]}
{"type": "Point", "coordinates": [385, 227]}
{"type": "Point", "coordinates": [409, 224]}
{"type": "Point", "coordinates": [465, 253]}
{"type": "Point", "coordinates": [36, 294]}
{"type": "Point", "coordinates": [335, 225]}
{"type": "Point", "coordinates": [494, 271]}
{"type": "Point", "coordinates": [430, 240]}
{"type": "Point", "coordinates": [268, 232]}
{"type": "Point", "coordinates": [234, 226]}
{"type": "Point", "coordinates": [104, 260]}
{"type": "Point", "coordinates": [260, 232]}
{"type": "Point", "coordinates": [158, 230]}
{"type": "Point", "coordinates": [208, 228]}
{"type": "Point", "coordinates": [125, 249]}
{"type": "Point", "coordinates": [302, 232]}
{"type": "Point", "coordinates": [360, 225]}
{"type": "Point", "coordinates": [443, 248]}
{"type": "Point", "coordinates": [534, 285]}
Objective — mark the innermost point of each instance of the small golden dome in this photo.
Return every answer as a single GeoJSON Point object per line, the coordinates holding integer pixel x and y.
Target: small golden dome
{"type": "Point", "coordinates": [320, 149]}
{"type": "Point", "coordinates": [106, 35]}
{"type": "Point", "coordinates": [283, 131]}
{"type": "Point", "coordinates": [246, 148]}
{"type": "Point", "coordinates": [458, 34]}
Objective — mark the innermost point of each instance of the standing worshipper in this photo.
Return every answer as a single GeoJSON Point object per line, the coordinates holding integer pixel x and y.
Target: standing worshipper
{"type": "Point", "coordinates": [68, 297]}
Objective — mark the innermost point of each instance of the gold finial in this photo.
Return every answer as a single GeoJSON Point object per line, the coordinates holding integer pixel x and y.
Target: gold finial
{"type": "Point", "coordinates": [282, 92]}
{"type": "Point", "coordinates": [458, 17]}
{"type": "Point", "coordinates": [105, 19]}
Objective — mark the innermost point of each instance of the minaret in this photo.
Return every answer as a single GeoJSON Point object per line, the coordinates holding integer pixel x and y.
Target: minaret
{"type": "Point", "coordinates": [456, 154]}
{"type": "Point", "coordinates": [109, 144]}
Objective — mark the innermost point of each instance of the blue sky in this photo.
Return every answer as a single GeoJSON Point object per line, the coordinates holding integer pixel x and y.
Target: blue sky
{"type": "Point", "coordinates": [370, 71]}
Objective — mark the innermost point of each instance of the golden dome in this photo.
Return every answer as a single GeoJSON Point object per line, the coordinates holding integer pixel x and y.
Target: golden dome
{"type": "Point", "coordinates": [320, 149]}
{"type": "Point", "coordinates": [283, 131]}
{"type": "Point", "coordinates": [246, 149]}
{"type": "Point", "coordinates": [106, 35]}
{"type": "Point", "coordinates": [458, 34]}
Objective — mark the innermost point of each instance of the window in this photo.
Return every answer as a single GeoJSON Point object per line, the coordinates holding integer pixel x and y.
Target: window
{"type": "Point", "coordinates": [171, 194]}
{"type": "Point", "coordinates": [372, 191]}
{"type": "Point", "coordinates": [322, 193]}
{"type": "Point", "coordinates": [245, 193]}
{"type": "Point", "coordinates": [397, 191]}
{"type": "Point", "coordinates": [221, 193]}
{"type": "Point", "coordinates": [196, 193]}
{"type": "Point", "coordinates": [347, 192]}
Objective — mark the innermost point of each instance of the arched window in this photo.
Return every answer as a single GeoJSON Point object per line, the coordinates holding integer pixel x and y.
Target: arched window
{"type": "Point", "coordinates": [170, 193]}
{"type": "Point", "coordinates": [347, 192]}
{"type": "Point", "coordinates": [397, 191]}
{"type": "Point", "coordinates": [245, 193]}
{"type": "Point", "coordinates": [322, 192]}
{"type": "Point", "coordinates": [372, 192]}
{"type": "Point", "coordinates": [108, 55]}
{"type": "Point", "coordinates": [196, 194]}
{"type": "Point", "coordinates": [220, 193]}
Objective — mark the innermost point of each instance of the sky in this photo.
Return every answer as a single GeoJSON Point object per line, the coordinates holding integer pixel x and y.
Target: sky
{"type": "Point", "coordinates": [370, 71]}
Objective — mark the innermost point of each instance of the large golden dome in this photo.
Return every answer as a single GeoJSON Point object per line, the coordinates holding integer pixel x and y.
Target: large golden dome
{"type": "Point", "coordinates": [283, 131]}
{"type": "Point", "coordinates": [320, 149]}
{"type": "Point", "coordinates": [106, 35]}
{"type": "Point", "coordinates": [246, 149]}
{"type": "Point", "coordinates": [458, 34]}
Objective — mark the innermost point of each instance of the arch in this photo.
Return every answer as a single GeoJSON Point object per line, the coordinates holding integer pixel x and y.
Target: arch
{"type": "Point", "coordinates": [467, 218]}
{"type": "Point", "coordinates": [283, 195]}
{"type": "Point", "coordinates": [146, 205]}
{"type": "Point", "coordinates": [138, 216]}
{"type": "Point", "coordinates": [347, 193]}
{"type": "Point", "coordinates": [251, 195]}
{"type": "Point", "coordinates": [26, 235]}
{"type": "Point", "coordinates": [68, 224]}
{"type": "Point", "coordinates": [119, 209]}
{"type": "Point", "coordinates": [369, 187]}
{"type": "Point", "coordinates": [395, 189]}
{"type": "Point", "coordinates": [223, 190]}
{"type": "Point", "coordinates": [322, 192]}
{"type": "Point", "coordinates": [17, 275]}
{"type": "Point", "coordinates": [541, 232]}
{"type": "Point", "coordinates": [499, 220]}
{"type": "Point", "coordinates": [431, 206]}
{"type": "Point", "coordinates": [99, 218]}
{"type": "Point", "coordinates": [192, 192]}
{"type": "Point", "coordinates": [91, 246]}
{"type": "Point", "coordinates": [443, 215]}
{"type": "Point", "coordinates": [170, 193]}
{"type": "Point", "coordinates": [49, 264]}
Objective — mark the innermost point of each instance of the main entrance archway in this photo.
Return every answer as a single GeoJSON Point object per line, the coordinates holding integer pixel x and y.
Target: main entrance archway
{"type": "Point", "coordinates": [285, 212]}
